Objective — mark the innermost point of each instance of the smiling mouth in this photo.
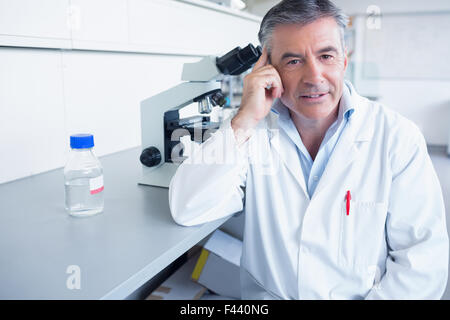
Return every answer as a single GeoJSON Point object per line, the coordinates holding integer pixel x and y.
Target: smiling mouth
{"type": "Point", "coordinates": [313, 97]}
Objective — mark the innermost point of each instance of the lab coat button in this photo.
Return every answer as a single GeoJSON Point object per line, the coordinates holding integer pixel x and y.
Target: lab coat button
{"type": "Point", "coordinates": [304, 250]}
{"type": "Point", "coordinates": [316, 178]}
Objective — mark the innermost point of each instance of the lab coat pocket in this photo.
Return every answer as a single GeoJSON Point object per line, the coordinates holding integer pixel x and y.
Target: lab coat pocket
{"type": "Point", "coordinates": [362, 233]}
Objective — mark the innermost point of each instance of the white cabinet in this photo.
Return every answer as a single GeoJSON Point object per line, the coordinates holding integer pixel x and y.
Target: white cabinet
{"type": "Point", "coordinates": [34, 23]}
{"type": "Point", "coordinates": [100, 24]}
{"type": "Point", "coordinates": [147, 26]}
{"type": "Point", "coordinates": [178, 27]}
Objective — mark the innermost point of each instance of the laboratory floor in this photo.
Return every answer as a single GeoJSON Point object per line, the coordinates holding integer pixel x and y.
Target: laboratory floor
{"type": "Point", "coordinates": [441, 164]}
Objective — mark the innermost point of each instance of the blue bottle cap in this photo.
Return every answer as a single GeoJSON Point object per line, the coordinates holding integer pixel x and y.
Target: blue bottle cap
{"type": "Point", "coordinates": [81, 141]}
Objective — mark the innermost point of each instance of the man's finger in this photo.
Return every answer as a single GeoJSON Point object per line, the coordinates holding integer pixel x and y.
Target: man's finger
{"type": "Point", "coordinates": [262, 61]}
{"type": "Point", "coordinates": [270, 72]}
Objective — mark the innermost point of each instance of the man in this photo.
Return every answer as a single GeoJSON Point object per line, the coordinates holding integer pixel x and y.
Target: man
{"type": "Point", "coordinates": [341, 198]}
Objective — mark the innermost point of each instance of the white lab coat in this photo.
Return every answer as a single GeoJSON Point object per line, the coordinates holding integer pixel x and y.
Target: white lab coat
{"type": "Point", "coordinates": [392, 245]}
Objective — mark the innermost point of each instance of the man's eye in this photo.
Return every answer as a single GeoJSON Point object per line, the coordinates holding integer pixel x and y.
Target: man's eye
{"type": "Point", "coordinates": [293, 62]}
{"type": "Point", "coordinates": [327, 57]}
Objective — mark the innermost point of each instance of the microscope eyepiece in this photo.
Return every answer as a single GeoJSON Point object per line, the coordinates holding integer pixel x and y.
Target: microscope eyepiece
{"type": "Point", "coordinates": [238, 60]}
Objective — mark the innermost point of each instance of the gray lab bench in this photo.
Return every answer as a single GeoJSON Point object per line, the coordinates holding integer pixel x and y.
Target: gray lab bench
{"type": "Point", "coordinates": [117, 251]}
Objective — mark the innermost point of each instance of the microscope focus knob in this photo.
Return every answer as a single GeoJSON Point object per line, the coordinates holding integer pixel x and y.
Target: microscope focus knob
{"type": "Point", "coordinates": [150, 157]}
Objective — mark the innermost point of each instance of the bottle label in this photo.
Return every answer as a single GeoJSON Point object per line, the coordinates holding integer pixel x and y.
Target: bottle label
{"type": "Point", "coordinates": [96, 184]}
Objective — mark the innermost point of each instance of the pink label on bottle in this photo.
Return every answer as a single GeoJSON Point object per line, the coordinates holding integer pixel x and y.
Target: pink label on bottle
{"type": "Point", "coordinates": [96, 184]}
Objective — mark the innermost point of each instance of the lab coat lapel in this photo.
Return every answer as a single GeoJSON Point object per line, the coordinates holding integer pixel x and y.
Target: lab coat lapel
{"type": "Point", "coordinates": [286, 150]}
{"type": "Point", "coordinates": [359, 130]}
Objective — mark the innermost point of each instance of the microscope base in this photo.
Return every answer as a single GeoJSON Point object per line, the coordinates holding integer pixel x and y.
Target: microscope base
{"type": "Point", "coordinates": [159, 176]}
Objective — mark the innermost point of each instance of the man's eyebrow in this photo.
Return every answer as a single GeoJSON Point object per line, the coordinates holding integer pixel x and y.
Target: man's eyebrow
{"type": "Point", "coordinates": [299, 55]}
{"type": "Point", "coordinates": [291, 55]}
{"type": "Point", "coordinates": [327, 49]}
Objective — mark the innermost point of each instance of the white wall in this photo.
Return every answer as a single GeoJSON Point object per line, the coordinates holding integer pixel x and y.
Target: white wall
{"type": "Point", "coordinates": [91, 77]}
{"type": "Point", "coordinates": [426, 102]}
{"type": "Point", "coordinates": [49, 94]}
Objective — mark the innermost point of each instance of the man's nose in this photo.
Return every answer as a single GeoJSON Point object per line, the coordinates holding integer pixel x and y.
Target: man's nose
{"type": "Point", "coordinates": [313, 73]}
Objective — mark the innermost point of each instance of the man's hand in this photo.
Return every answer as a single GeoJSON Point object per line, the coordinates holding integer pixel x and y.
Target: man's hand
{"type": "Point", "coordinates": [261, 87]}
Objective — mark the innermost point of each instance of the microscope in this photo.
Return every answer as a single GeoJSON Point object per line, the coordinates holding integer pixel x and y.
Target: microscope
{"type": "Point", "coordinates": [161, 126]}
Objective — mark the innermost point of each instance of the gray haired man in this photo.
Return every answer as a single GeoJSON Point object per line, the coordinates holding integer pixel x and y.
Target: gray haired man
{"type": "Point", "coordinates": [354, 210]}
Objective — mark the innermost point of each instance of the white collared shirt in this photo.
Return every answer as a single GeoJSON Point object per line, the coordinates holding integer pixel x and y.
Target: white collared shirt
{"type": "Point", "coordinates": [313, 169]}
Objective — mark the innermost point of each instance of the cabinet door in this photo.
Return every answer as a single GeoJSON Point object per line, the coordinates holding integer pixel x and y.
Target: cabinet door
{"type": "Point", "coordinates": [41, 23]}
{"type": "Point", "coordinates": [178, 27]}
{"type": "Point", "coordinates": [102, 25]}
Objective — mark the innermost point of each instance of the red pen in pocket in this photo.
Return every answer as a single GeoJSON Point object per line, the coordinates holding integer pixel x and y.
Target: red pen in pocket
{"type": "Point", "coordinates": [348, 198]}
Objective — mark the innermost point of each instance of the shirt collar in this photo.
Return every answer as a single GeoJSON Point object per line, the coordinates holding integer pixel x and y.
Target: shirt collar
{"type": "Point", "coordinates": [346, 107]}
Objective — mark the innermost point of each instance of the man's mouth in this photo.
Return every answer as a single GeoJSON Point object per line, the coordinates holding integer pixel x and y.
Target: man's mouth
{"type": "Point", "coordinates": [313, 96]}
